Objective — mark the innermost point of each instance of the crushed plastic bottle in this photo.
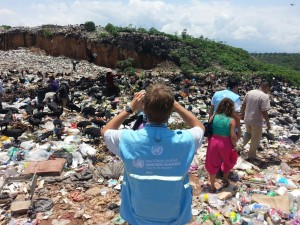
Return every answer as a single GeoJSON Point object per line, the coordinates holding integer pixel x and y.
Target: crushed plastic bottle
{"type": "Point", "coordinates": [274, 216]}
{"type": "Point", "coordinates": [246, 210]}
{"type": "Point", "coordinates": [260, 208]}
{"type": "Point", "coordinates": [259, 220]}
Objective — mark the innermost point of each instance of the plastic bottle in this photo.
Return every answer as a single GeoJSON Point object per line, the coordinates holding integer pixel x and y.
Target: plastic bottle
{"type": "Point", "coordinates": [259, 220]}
{"type": "Point", "coordinates": [245, 198]}
{"type": "Point", "coordinates": [246, 210]}
{"type": "Point", "coordinates": [284, 167]}
{"type": "Point", "coordinates": [271, 193]}
{"type": "Point", "coordinates": [260, 208]}
{"type": "Point", "coordinates": [232, 217]}
{"type": "Point", "coordinates": [201, 181]}
{"type": "Point", "coordinates": [274, 216]}
{"type": "Point", "coordinates": [204, 197]}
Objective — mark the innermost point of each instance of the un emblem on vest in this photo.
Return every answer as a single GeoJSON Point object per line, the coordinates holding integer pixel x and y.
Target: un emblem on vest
{"type": "Point", "coordinates": [157, 150]}
{"type": "Point", "coordinates": [138, 163]}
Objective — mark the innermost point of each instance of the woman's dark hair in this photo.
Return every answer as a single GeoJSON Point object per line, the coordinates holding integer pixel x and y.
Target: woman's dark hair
{"type": "Point", "coordinates": [158, 103]}
{"type": "Point", "coordinates": [226, 107]}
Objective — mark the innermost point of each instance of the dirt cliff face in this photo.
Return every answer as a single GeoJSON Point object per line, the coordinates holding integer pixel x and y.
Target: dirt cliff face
{"type": "Point", "coordinates": [146, 50]}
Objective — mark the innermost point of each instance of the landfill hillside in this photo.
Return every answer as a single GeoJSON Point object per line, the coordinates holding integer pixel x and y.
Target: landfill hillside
{"type": "Point", "coordinates": [56, 169]}
{"type": "Point", "coordinates": [75, 42]}
{"type": "Point", "coordinates": [111, 45]}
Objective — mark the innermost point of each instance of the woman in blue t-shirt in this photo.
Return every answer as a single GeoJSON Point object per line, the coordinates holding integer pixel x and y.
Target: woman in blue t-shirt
{"type": "Point", "coordinates": [220, 150]}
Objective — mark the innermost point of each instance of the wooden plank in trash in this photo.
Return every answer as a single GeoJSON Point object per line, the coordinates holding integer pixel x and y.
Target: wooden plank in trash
{"type": "Point", "coordinates": [51, 167]}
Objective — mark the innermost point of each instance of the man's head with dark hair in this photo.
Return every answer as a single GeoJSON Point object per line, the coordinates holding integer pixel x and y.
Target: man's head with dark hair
{"type": "Point", "coordinates": [232, 84]}
{"type": "Point", "coordinates": [265, 86]}
{"type": "Point", "coordinates": [158, 103]}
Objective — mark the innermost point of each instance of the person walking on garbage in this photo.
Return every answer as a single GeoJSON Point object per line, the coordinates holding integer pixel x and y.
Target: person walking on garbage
{"type": "Point", "coordinates": [63, 93]}
{"type": "Point", "coordinates": [254, 111]}
{"type": "Point", "coordinates": [1, 89]}
{"type": "Point", "coordinates": [53, 83]}
{"type": "Point", "coordinates": [232, 93]}
{"type": "Point", "coordinates": [111, 88]}
{"type": "Point", "coordinates": [155, 188]}
{"type": "Point", "coordinates": [210, 80]}
{"type": "Point", "coordinates": [220, 150]}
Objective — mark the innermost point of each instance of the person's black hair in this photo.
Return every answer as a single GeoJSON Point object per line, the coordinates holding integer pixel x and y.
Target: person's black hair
{"type": "Point", "coordinates": [265, 83]}
{"type": "Point", "coordinates": [232, 82]}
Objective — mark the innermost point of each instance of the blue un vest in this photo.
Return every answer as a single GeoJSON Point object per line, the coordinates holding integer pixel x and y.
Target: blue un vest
{"type": "Point", "coordinates": [155, 189]}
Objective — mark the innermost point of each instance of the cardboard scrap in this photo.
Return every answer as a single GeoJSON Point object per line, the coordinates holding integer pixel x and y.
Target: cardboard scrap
{"type": "Point", "coordinates": [50, 167]}
{"type": "Point", "coordinates": [277, 202]}
{"type": "Point", "coordinates": [227, 192]}
{"type": "Point", "coordinates": [207, 222]}
{"type": "Point", "coordinates": [20, 206]}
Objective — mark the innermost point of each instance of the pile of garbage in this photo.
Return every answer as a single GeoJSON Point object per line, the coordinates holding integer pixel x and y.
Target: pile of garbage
{"type": "Point", "coordinates": [73, 178]}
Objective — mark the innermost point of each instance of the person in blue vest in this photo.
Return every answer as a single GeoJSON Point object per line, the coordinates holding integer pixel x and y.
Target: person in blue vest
{"type": "Point", "coordinates": [232, 93]}
{"type": "Point", "coordinates": [155, 188]}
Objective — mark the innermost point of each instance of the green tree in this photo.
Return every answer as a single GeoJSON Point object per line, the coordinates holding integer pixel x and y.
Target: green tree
{"type": "Point", "coordinates": [5, 27]}
{"type": "Point", "coordinates": [128, 64]}
{"type": "Point", "coordinates": [112, 29]}
{"type": "Point", "coordinates": [90, 26]}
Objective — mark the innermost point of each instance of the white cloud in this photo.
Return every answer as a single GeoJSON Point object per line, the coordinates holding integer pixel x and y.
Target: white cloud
{"type": "Point", "coordinates": [246, 32]}
{"type": "Point", "coordinates": [6, 12]}
{"type": "Point", "coordinates": [257, 27]}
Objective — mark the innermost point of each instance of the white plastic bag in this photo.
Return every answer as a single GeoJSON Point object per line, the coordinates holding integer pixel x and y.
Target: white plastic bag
{"type": "Point", "coordinates": [86, 149]}
{"type": "Point", "coordinates": [27, 145]}
{"type": "Point", "coordinates": [37, 155]}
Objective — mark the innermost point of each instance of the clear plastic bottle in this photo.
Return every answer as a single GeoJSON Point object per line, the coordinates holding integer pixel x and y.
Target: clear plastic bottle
{"type": "Point", "coordinates": [260, 208]}
{"type": "Point", "coordinates": [246, 210]}
{"type": "Point", "coordinates": [259, 220]}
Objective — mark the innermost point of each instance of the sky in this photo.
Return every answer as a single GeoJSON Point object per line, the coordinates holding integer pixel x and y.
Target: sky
{"type": "Point", "coordinates": [253, 25]}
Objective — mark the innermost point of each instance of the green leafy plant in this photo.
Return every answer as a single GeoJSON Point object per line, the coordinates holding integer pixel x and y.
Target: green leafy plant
{"type": "Point", "coordinates": [112, 29]}
{"type": "Point", "coordinates": [90, 26]}
{"type": "Point", "coordinates": [47, 32]}
{"type": "Point", "coordinates": [124, 64]}
{"type": "Point", "coordinates": [5, 27]}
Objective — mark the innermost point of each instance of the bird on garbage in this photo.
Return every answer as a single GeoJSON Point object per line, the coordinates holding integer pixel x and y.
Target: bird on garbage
{"type": "Point", "coordinates": [6, 120]}
{"type": "Point", "coordinates": [92, 132]}
{"type": "Point", "coordinates": [269, 136]}
{"type": "Point", "coordinates": [294, 137]}
{"type": "Point", "coordinates": [34, 122]}
{"type": "Point", "coordinates": [40, 115]}
{"type": "Point", "coordinates": [39, 106]}
{"type": "Point", "coordinates": [83, 124]}
{"type": "Point", "coordinates": [15, 133]}
{"type": "Point", "coordinates": [45, 135]}
{"type": "Point", "coordinates": [57, 113]}
{"type": "Point", "coordinates": [7, 109]}
{"type": "Point", "coordinates": [72, 107]}
{"type": "Point", "coordinates": [88, 111]}
{"type": "Point", "coordinates": [99, 123]}
{"type": "Point", "coordinates": [52, 105]}
{"type": "Point", "coordinates": [29, 109]}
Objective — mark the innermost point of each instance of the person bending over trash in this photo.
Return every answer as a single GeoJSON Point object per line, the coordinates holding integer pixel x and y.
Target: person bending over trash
{"type": "Point", "coordinates": [156, 188]}
{"type": "Point", "coordinates": [220, 150]}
